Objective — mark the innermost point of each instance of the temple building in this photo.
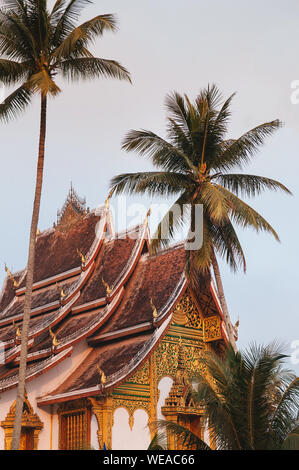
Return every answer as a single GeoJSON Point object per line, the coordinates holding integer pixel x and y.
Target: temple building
{"type": "Point", "coordinates": [115, 334]}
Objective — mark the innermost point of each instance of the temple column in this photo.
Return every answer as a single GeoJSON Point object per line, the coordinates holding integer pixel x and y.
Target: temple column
{"type": "Point", "coordinates": [103, 411]}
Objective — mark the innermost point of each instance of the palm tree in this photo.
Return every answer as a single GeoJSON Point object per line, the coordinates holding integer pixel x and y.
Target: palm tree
{"type": "Point", "coordinates": [250, 402]}
{"type": "Point", "coordinates": [193, 165]}
{"type": "Point", "coordinates": [38, 44]}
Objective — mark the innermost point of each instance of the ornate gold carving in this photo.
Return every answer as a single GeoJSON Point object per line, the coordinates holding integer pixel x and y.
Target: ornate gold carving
{"type": "Point", "coordinates": [31, 427]}
{"type": "Point", "coordinates": [131, 405]}
{"type": "Point", "coordinates": [168, 353]}
{"type": "Point", "coordinates": [103, 411]}
{"type": "Point", "coordinates": [72, 211]}
{"type": "Point", "coordinates": [142, 376]}
{"type": "Point", "coordinates": [186, 314]}
{"type": "Point", "coordinates": [212, 329]}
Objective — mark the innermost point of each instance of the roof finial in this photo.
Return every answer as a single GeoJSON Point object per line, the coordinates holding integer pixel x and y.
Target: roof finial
{"type": "Point", "coordinates": [155, 312]}
{"type": "Point", "coordinates": [18, 331]}
{"type": "Point", "coordinates": [55, 341]}
{"type": "Point", "coordinates": [11, 277]}
{"type": "Point", "coordinates": [107, 287]}
{"type": "Point", "coordinates": [83, 258]}
{"type": "Point", "coordinates": [102, 375]}
{"type": "Point", "coordinates": [61, 291]}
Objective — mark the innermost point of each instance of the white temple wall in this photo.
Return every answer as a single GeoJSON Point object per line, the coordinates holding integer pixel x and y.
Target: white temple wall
{"type": "Point", "coordinates": [94, 443]}
{"type": "Point", "coordinates": [123, 438]}
{"type": "Point", "coordinates": [164, 387]}
{"type": "Point", "coordinates": [40, 386]}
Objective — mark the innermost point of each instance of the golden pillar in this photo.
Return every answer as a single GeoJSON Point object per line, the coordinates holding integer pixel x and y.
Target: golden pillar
{"type": "Point", "coordinates": [103, 411]}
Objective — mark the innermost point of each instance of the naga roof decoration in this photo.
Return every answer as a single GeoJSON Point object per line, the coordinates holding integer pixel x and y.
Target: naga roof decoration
{"type": "Point", "coordinates": [94, 285]}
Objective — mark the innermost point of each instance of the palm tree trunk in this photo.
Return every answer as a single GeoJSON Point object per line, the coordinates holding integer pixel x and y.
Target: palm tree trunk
{"type": "Point", "coordinates": [220, 291]}
{"type": "Point", "coordinates": [29, 278]}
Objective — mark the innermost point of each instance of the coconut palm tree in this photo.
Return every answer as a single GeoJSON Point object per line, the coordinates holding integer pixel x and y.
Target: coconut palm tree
{"type": "Point", "coordinates": [250, 402]}
{"type": "Point", "coordinates": [193, 165]}
{"type": "Point", "coordinates": [36, 45]}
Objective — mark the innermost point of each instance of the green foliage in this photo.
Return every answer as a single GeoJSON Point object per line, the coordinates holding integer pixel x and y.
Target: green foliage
{"type": "Point", "coordinates": [192, 164]}
{"type": "Point", "coordinates": [250, 401]}
{"type": "Point", "coordinates": [37, 44]}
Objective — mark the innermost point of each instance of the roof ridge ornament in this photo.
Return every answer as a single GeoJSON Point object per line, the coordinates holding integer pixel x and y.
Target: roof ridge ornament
{"type": "Point", "coordinates": [73, 209]}
{"type": "Point", "coordinates": [155, 312]}
{"type": "Point", "coordinates": [18, 332]}
{"type": "Point", "coordinates": [103, 378]}
{"type": "Point", "coordinates": [107, 287]}
{"type": "Point", "coordinates": [55, 342]}
{"type": "Point", "coordinates": [83, 258]}
{"type": "Point", "coordinates": [11, 277]}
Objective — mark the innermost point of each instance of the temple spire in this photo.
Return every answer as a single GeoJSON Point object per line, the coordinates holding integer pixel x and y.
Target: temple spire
{"type": "Point", "coordinates": [73, 210]}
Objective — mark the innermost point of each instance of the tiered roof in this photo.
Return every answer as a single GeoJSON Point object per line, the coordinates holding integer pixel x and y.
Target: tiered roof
{"type": "Point", "coordinates": [91, 284]}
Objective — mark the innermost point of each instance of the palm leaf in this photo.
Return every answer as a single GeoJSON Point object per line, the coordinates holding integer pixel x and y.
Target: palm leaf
{"type": "Point", "coordinates": [15, 103]}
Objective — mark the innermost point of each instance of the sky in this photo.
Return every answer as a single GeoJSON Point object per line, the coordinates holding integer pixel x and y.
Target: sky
{"type": "Point", "coordinates": [249, 47]}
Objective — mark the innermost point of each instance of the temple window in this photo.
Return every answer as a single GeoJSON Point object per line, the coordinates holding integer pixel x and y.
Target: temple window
{"type": "Point", "coordinates": [74, 426]}
{"type": "Point", "coordinates": [31, 427]}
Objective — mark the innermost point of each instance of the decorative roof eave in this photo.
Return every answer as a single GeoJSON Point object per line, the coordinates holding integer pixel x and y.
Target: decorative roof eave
{"type": "Point", "coordinates": [36, 311]}
{"type": "Point", "coordinates": [91, 255]}
{"type": "Point", "coordinates": [50, 322]}
{"type": "Point", "coordinates": [35, 370]}
{"type": "Point", "coordinates": [79, 335]}
{"type": "Point", "coordinates": [163, 313]}
{"type": "Point", "coordinates": [115, 379]}
{"type": "Point", "coordinates": [123, 276]}
{"type": "Point", "coordinates": [167, 309]}
{"type": "Point", "coordinates": [106, 337]}
{"type": "Point", "coordinates": [12, 353]}
{"type": "Point", "coordinates": [51, 280]}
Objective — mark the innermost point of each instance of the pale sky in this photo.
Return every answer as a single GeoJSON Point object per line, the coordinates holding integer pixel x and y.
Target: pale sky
{"type": "Point", "coordinates": [250, 47]}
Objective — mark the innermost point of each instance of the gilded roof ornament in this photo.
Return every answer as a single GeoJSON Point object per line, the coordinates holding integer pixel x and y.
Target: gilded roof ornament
{"type": "Point", "coordinates": [72, 211]}
{"type": "Point", "coordinates": [11, 277]}
{"type": "Point", "coordinates": [61, 291]}
{"type": "Point", "coordinates": [102, 375]}
{"type": "Point", "coordinates": [18, 331]}
{"type": "Point", "coordinates": [107, 287]}
{"type": "Point", "coordinates": [83, 258]}
{"type": "Point", "coordinates": [154, 309]}
{"type": "Point", "coordinates": [55, 341]}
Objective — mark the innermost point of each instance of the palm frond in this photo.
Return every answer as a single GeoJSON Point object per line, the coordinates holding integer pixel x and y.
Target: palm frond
{"type": "Point", "coordinates": [245, 147]}
{"type": "Point", "coordinates": [163, 183]}
{"type": "Point", "coordinates": [84, 34]}
{"type": "Point", "coordinates": [12, 72]}
{"type": "Point", "coordinates": [246, 216]}
{"type": "Point", "coordinates": [248, 185]}
{"type": "Point", "coordinates": [161, 153]}
{"type": "Point", "coordinates": [92, 67]}
{"type": "Point", "coordinates": [185, 438]}
{"type": "Point", "coordinates": [15, 103]}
